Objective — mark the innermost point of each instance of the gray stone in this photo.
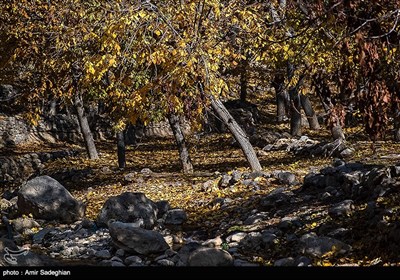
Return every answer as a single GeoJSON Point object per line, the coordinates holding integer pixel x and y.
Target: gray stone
{"type": "Point", "coordinates": [117, 264]}
{"type": "Point", "coordinates": [342, 209]}
{"type": "Point", "coordinates": [163, 207]}
{"type": "Point", "coordinates": [133, 260]}
{"type": "Point", "coordinates": [39, 236]}
{"type": "Point", "coordinates": [315, 246]}
{"type": "Point", "coordinates": [47, 199]}
{"type": "Point", "coordinates": [236, 175]}
{"type": "Point", "coordinates": [183, 254]}
{"type": "Point", "coordinates": [256, 218]}
{"type": "Point", "coordinates": [285, 262]}
{"type": "Point", "coordinates": [302, 261]}
{"type": "Point", "coordinates": [137, 240]}
{"type": "Point", "coordinates": [348, 152]}
{"type": "Point", "coordinates": [315, 180]}
{"type": "Point", "coordinates": [103, 254]}
{"type": "Point", "coordinates": [243, 263]}
{"type": "Point", "coordinates": [269, 239]}
{"type": "Point", "coordinates": [165, 262]}
{"type": "Point", "coordinates": [116, 259]}
{"type": "Point", "coordinates": [215, 242]}
{"type": "Point", "coordinates": [88, 224]}
{"type": "Point", "coordinates": [129, 208]}
{"type": "Point", "coordinates": [175, 217]}
{"type": "Point", "coordinates": [105, 263]}
{"type": "Point", "coordinates": [120, 253]}
{"type": "Point", "coordinates": [236, 237]}
{"type": "Point", "coordinates": [21, 224]}
{"type": "Point", "coordinates": [210, 257]}
{"type": "Point", "coordinates": [289, 222]}
{"type": "Point", "coordinates": [225, 180]}
{"type": "Point", "coordinates": [5, 204]}
{"type": "Point", "coordinates": [253, 241]}
{"type": "Point", "coordinates": [286, 178]}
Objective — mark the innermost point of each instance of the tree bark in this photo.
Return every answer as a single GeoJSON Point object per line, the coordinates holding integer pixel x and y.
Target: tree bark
{"type": "Point", "coordinates": [243, 86]}
{"type": "Point", "coordinates": [397, 126]}
{"type": "Point", "coordinates": [181, 142]}
{"type": "Point", "coordinates": [85, 129]}
{"type": "Point", "coordinates": [237, 133]}
{"type": "Point", "coordinates": [121, 149]}
{"type": "Point", "coordinates": [295, 112]}
{"type": "Point", "coordinates": [282, 98]}
{"type": "Point", "coordinates": [310, 113]}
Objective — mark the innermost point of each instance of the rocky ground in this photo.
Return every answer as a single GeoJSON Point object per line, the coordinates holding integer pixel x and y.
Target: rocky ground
{"type": "Point", "coordinates": [335, 212]}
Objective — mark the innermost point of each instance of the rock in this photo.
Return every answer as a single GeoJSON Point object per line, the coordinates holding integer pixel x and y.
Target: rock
{"type": "Point", "coordinates": [38, 237]}
{"type": "Point", "coordinates": [5, 204]}
{"type": "Point", "coordinates": [163, 207]}
{"type": "Point", "coordinates": [215, 242]}
{"type": "Point", "coordinates": [116, 259]}
{"type": "Point", "coordinates": [129, 208]}
{"type": "Point", "coordinates": [47, 199]}
{"type": "Point", "coordinates": [120, 253]}
{"type": "Point", "coordinates": [285, 262]}
{"type": "Point", "coordinates": [338, 162]}
{"type": "Point", "coordinates": [347, 152]}
{"type": "Point", "coordinates": [88, 224]}
{"type": "Point", "coordinates": [175, 217]}
{"type": "Point", "coordinates": [255, 174]}
{"type": "Point", "coordinates": [117, 264]}
{"type": "Point", "coordinates": [225, 180]}
{"type": "Point", "coordinates": [252, 241]}
{"type": "Point", "coordinates": [256, 218]}
{"type": "Point", "coordinates": [236, 175]}
{"type": "Point", "coordinates": [302, 261]}
{"type": "Point", "coordinates": [21, 224]}
{"type": "Point", "coordinates": [133, 260]}
{"type": "Point", "coordinates": [209, 186]}
{"type": "Point", "coordinates": [210, 257]}
{"type": "Point", "coordinates": [315, 246]}
{"type": "Point", "coordinates": [137, 240]}
{"type": "Point", "coordinates": [130, 177]}
{"type": "Point", "coordinates": [236, 237]}
{"type": "Point", "coordinates": [342, 209]}
{"type": "Point", "coordinates": [269, 239]}
{"type": "Point", "coordinates": [243, 263]}
{"type": "Point", "coordinates": [289, 222]}
{"type": "Point", "coordinates": [22, 256]}
{"type": "Point", "coordinates": [103, 254]}
{"type": "Point", "coordinates": [146, 171]}
{"type": "Point", "coordinates": [183, 255]}
{"type": "Point", "coordinates": [314, 180]}
{"type": "Point", "coordinates": [165, 262]}
{"type": "Point", "coordinates": [286, 178]}
{"type": "Point", "coordinates": [275, 199]}
{"type": "Point", "coordinates": [338, 233]}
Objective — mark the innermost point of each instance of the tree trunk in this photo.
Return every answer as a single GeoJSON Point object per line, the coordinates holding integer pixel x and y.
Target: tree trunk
{"type": "Point", "coordinates": [243, 86]}
{"type": "Point", "coordinates": [53, 107]}
{"type": "Point", "coordinates": [121, 149]}
{"type": "Point", "coordinates": [337, 132]}
{"type": "Point", "coordinates": [180, 141]}
{"type": "Point", "coordinates": [85, 129]}
{"type": "Point", "coordinates": [237, 132]}
{"type": "Point", "coordinates": [397, 126]}
{"type": "Point", "coordinates": [282, 98]}
{"type": "Point", "coordinates": [295, 112]}
{"type": "Point", "coordinates": [311, 116]}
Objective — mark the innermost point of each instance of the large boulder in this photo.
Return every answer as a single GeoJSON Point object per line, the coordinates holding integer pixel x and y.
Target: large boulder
{"type": "Point", "coordinates": [134, 239]}
{"type": "Point", "coordinates": [47, 199]}
{"type": "Point", "coordinates": [210, 257]}
{"type": "Point", "coordinates": [129, 208]}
